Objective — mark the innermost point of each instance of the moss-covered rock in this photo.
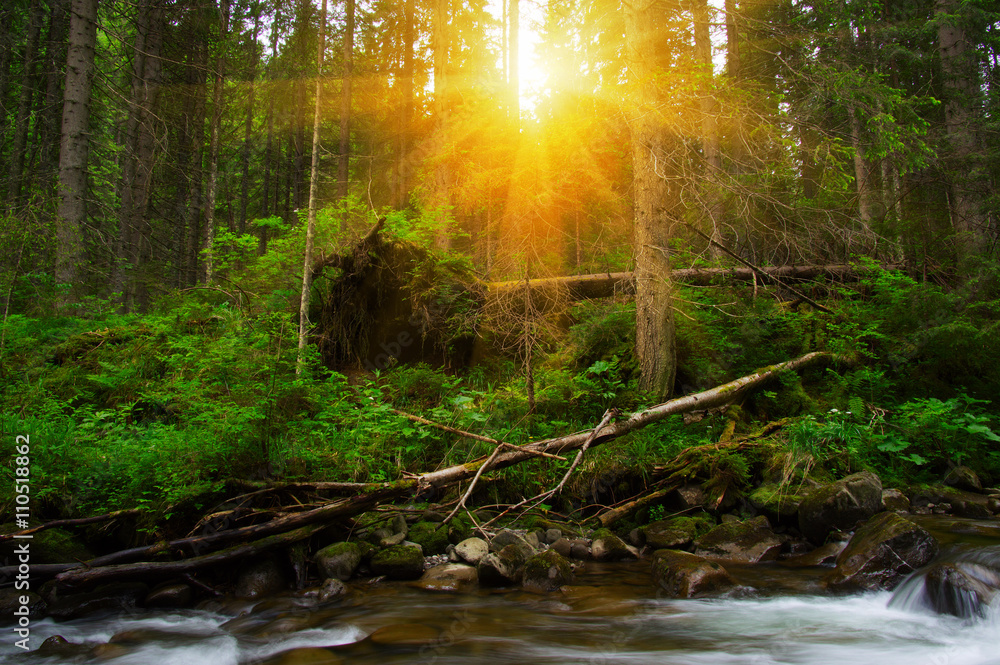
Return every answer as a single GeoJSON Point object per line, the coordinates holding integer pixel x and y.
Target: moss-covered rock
{"type": "Point", "coordinates": [504, 567]}
{"type": "Point", "coordinates": [684, 575]}
{"type": "Point", "coordinates": [779, 502]}
{"type": "Point", "coordinates": [433, 538]}
{"type": "Point", "coordinates": [840, 505]}
{"type": "Point", "coordinates": [751, 541]}
{"type": "Point", "coordinates": [882, 551]}
{"type": "Point", "coordinates": [547, 572]}
{"type": "Point", "coordinates": [605, 545]}
{"type": "Point", "coordinates": [341, 560]}
{"type": "Point", "coordinates": [399, 562]}
{"type": "Point", "coordinates": [472, 550]}
{"type": "Point", "coordinates": [678, 532]}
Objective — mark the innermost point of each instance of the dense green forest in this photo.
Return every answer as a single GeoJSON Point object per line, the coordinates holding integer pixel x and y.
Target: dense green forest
{"type": "Point", "coordinates": [243, 240]}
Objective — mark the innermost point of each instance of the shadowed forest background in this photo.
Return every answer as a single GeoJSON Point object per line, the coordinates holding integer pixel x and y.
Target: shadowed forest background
{"type": "Point", "coordinates": [174, 172]}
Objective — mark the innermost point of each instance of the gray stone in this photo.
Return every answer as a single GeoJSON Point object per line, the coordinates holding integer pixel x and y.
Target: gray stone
{"type": "Point", "coordinates": [505, 538]}
{"type": "Point", "coordinates": [895, 501]}
{"type": "Point", "coordinates": [331, 588]}
{"type": "Point", "coordinates": [607, 546]}
{"type": "Point", "coordinates": [448, 577]}
{"type": "Point", "coordinates": [472, 550]}
{"type": "Point", "coordinates": [552, 535]}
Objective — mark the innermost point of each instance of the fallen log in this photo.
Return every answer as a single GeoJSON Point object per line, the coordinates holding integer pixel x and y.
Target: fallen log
{"type": "Point", "coordinates": [585, 287]}
{"type": "Point", "coordinates": [161, 569]}
{"type": "Point", "coordinates": [79, 521]}
{"type": "Point", "coordinates": [377, 493]}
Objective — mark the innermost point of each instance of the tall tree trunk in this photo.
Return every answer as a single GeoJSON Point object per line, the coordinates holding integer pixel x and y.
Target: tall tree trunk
{"type": "Point", "coordinates": [655, 343]}
{"type": "Point", "coordinates": [55, 56]}
{"type": "Point", "coordinates": [709, 127]}
{"type": "Point", "coordinates": [24, 106]}
{"type": "Point", "coordinates": [307, 268]}
{"type": "Point", "coordinates": [862, 175]}
{"type": "Point", "coordinates": [139, 147]}
{"type": "Point", "coordinates": [961, 82]}
{"type": "Point", "coordinates": [75, 145]}
{"type": "Point", "coordinates": [343, 163]}
{"type": "Point", "coordinates": [515, 69]}
{"type": "Point", "coordinates": [441, 46]}
{"type": "Point", "coordinates": [732, 40]}
{"type": "Point", "coordinates": [213, 158]}
{"type": "Point", "coordinates": [241, 223]}
{"type": "Point", "coordinates": [402, 189]}
{"type": "Point", "coordinates": [196, 117]}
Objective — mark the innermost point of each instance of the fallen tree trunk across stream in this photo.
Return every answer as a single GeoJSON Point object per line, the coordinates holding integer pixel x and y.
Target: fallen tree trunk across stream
{"type": "Point", "coordinates": [199, 551]}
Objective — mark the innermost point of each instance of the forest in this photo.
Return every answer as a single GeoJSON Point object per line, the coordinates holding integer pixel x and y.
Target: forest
{"type": "Point", "coordinates": [289, 261]}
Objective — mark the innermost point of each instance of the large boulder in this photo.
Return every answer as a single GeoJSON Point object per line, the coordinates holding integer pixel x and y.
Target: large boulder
{"type": "Point", "coordinates": [507, 537]}
{"type": "Point", "coordinates": [684, 575]}
{"type": "Point", "coordinates": [11, 602]}
{"type": "Point", "coordinates": [751, 541]}
{"type": "Point", "coordinates": [963, 478]}
{"type": "Point", "coordinates": [606, 546]}
{"type": "Point", "coordinates": [399, 562]}
{"type": "Point", "coordinates": [547, 572]}
{"type": "Point", "coordinates": [882, 551]}
{"type": "Point", "coordinates": [840, 505]}
{"type": "Point", "coordinates": [341, 560]}
{"type": "Point", "coordinates": [896, 501]}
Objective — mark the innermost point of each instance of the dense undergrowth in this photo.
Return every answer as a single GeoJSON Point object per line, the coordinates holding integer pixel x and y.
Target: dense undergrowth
{"type": "Point", "coordinates": [166, 408]}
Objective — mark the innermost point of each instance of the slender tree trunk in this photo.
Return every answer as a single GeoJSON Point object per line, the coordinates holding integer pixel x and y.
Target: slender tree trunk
{"type": "Point", "coordinates": [343, 163]}
{"type": "Point", "coordinates": [213, 158]}
{"type": "Point", "coordinates": [307, 269]}
{"type": "Point", "coordinates": [709, 125]}
{"type": "Point", "coordinates": [241, 223]}
{"type": "Point", "coordinates": [75, 144]}
{"type": "Point", "coordinates": [655, 345]}
{"type": "Point", "coordinates": [28, 83]}
{"type": "Point", "coordinates": [862, 175]}
{"type": "Point", "coordinates": [515, 73]}
{"type": "Point", "coordinates": [197, 117]}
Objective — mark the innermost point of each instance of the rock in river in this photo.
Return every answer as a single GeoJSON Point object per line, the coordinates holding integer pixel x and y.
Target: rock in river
{"type": "Point", "coordinates": [881, 553]}
{"type": "Point", "coordinates": [751, 541]}
{"type": "Point", "coordinates": [685, 575]}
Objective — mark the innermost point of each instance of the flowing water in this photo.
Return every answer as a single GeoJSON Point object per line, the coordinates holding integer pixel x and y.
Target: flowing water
{"type": "Point", "coordinates": [612, 615]}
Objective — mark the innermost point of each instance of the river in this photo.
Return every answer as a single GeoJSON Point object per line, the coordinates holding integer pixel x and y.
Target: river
{"type": "Point", "coordinates": [611, 615]}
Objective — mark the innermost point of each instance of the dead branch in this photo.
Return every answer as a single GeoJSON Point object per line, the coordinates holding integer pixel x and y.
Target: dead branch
{"type": "Point", "coordinates": [80, 521]}
{"type": "Point", "coordinates": [445, 428]}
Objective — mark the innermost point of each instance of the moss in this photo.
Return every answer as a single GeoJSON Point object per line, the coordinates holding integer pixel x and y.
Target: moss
{"type": "Point", "coordinates": [432, 537]}
{"type": "Point", "coordinates": [399, 562]}
{"type": "Point", "coordinates": [547, 571]}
